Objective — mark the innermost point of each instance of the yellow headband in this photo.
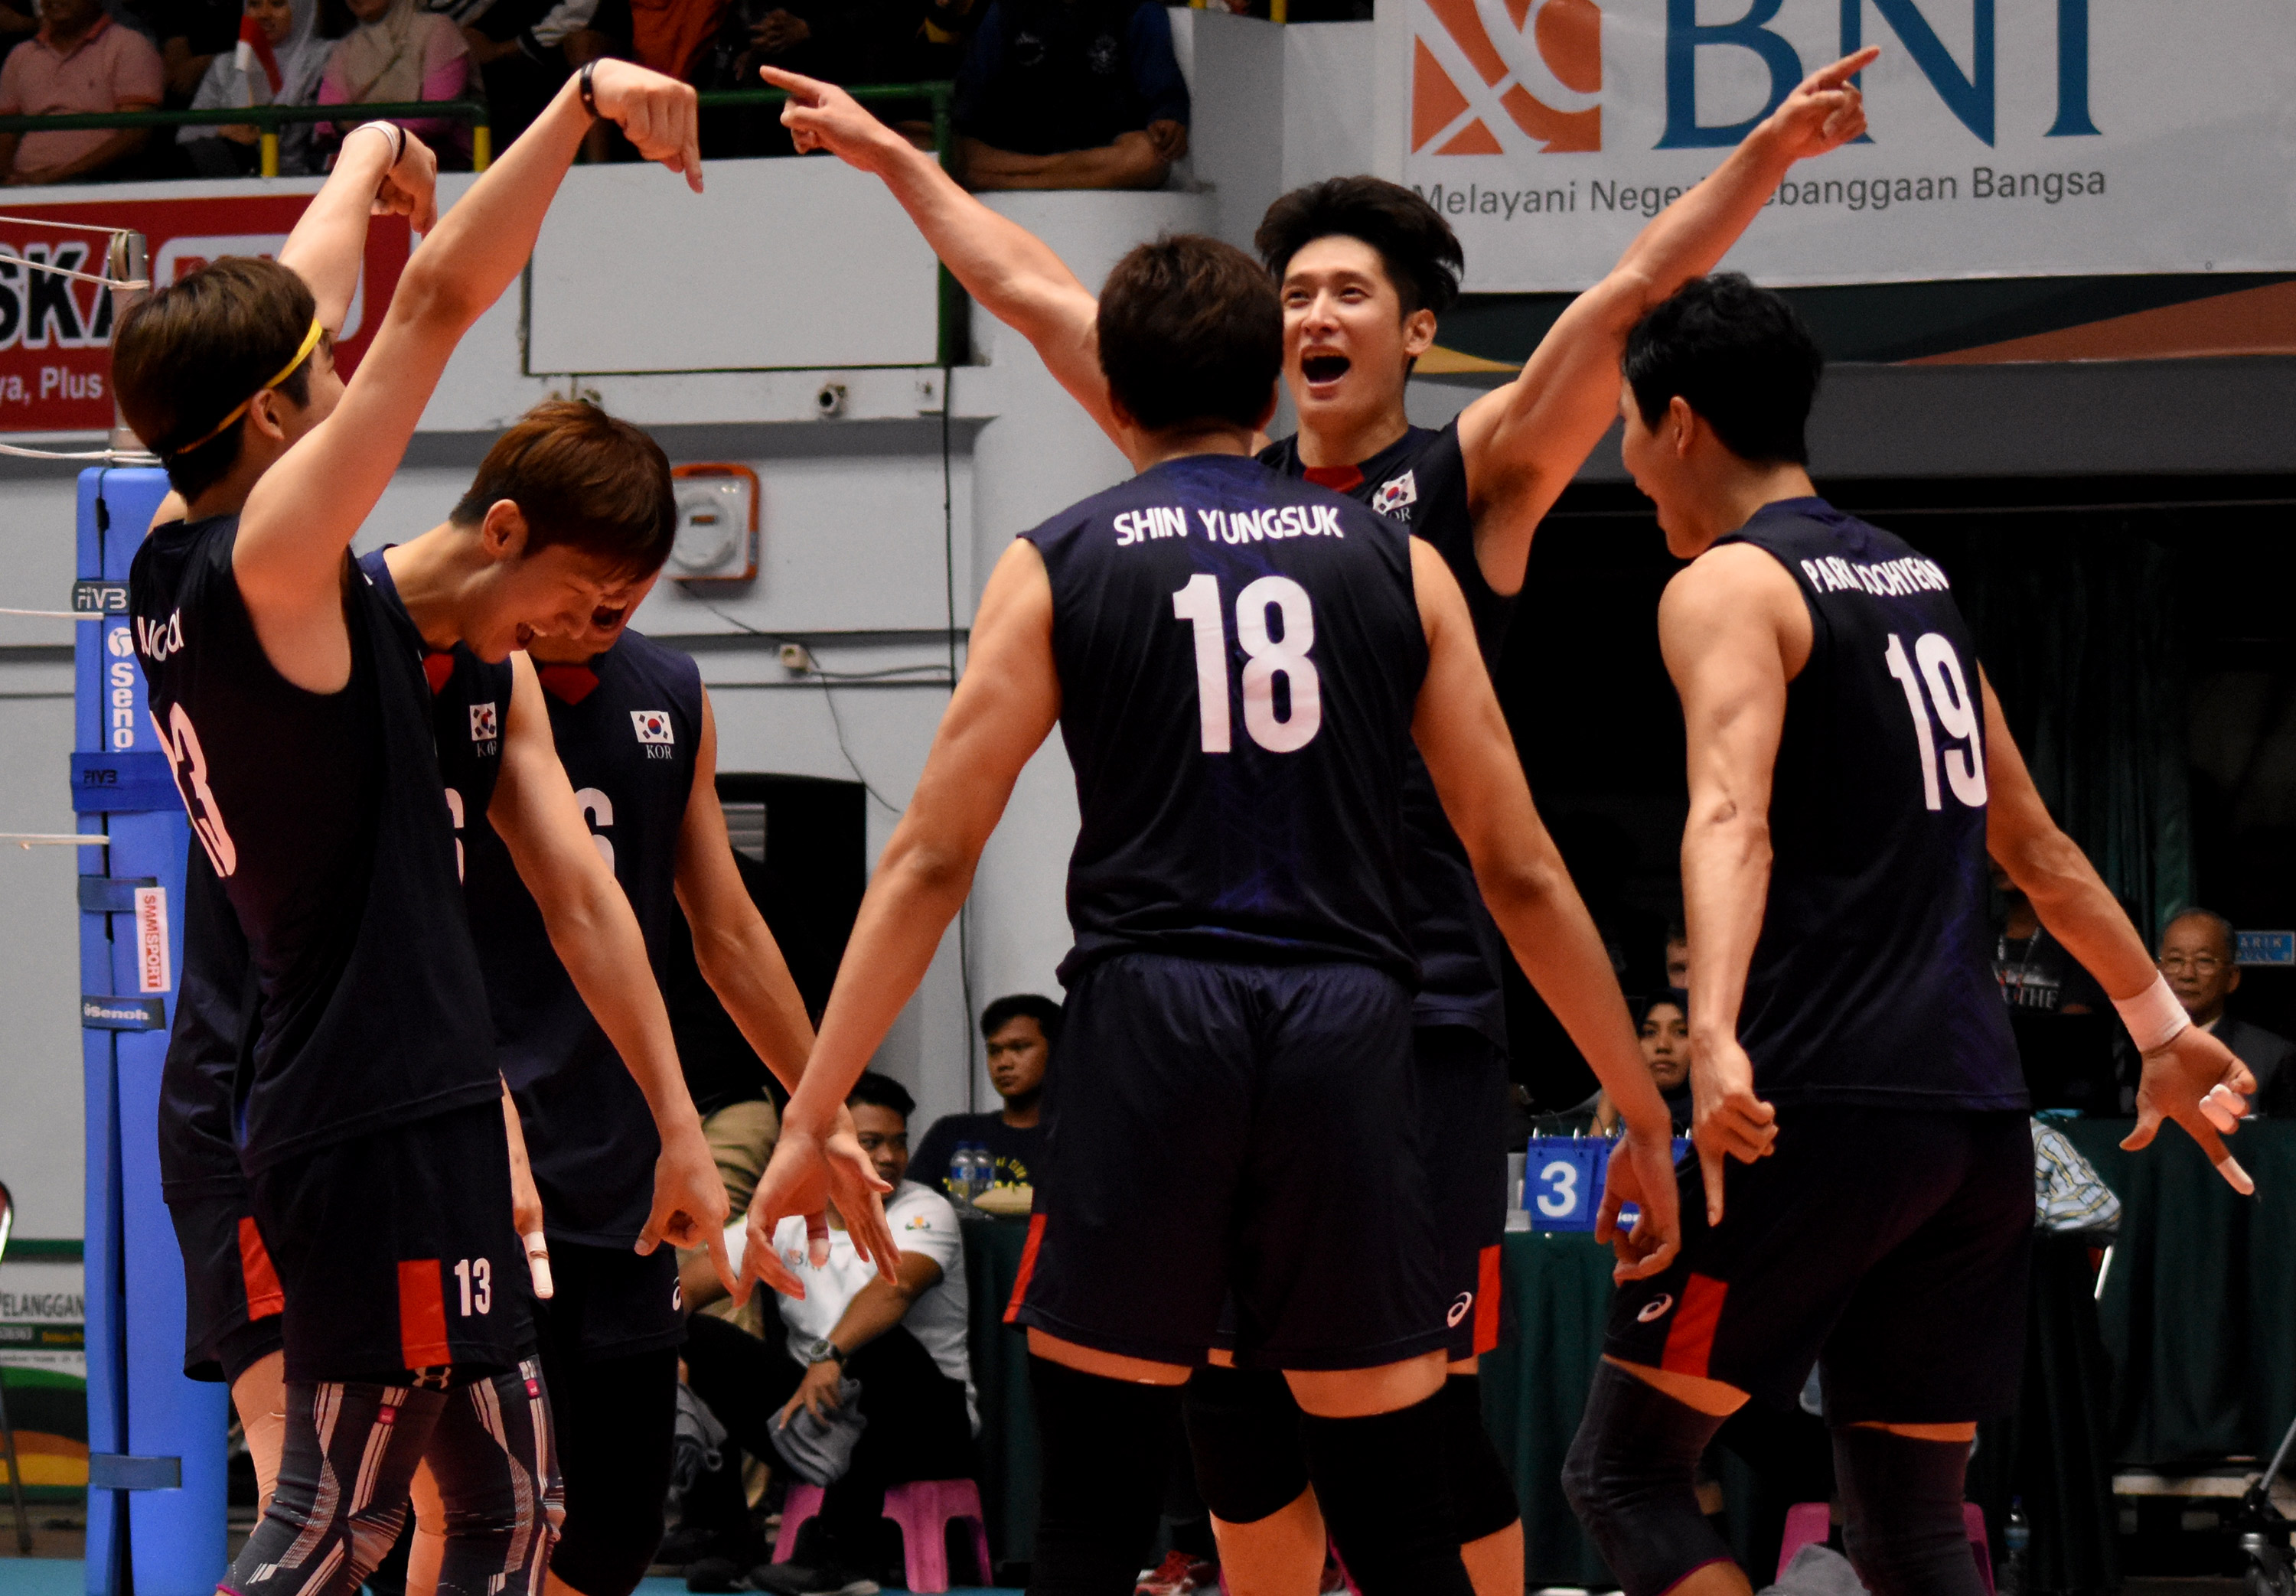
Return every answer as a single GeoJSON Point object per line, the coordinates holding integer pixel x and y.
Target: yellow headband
{"type": "Point", "coordinates": [302, 353]}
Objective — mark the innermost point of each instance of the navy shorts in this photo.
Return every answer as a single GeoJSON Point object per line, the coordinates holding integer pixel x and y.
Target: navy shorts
{"type": "Point", "coordinates": [1888, 1246]}
{"type": "Point", "coordinates": [396, 1251]}
{"type": "Point", "coordinates": [1463, 1101]}
{"type": "Point", "coordinates": [607, 1302]}
{"type": "Point", "coordinates": [1218, 1128]}
{"type": "Point", "coordinates": [232, 1299]}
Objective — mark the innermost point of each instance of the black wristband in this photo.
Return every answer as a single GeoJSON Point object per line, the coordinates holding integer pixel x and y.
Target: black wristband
{"type": "Point", "coordinates": [589, 93]}
{"type": "Point", "coordinates": [400, 153]}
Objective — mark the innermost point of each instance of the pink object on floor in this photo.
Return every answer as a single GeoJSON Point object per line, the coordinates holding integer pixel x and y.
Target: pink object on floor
{"type": "Point", "coordinates": [923, 1509]}
{"type": "Point", "coordinates": [1808, 1523]}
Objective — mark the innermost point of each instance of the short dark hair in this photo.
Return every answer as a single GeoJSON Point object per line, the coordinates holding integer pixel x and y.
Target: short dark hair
{"type": "Point", "coordinates": [2223, 927]}
{"type": "Point", "coordinates": [582, 478]}
{"type": "Point", "coordinates": [1023, 1005]}
{"type": "Point", "coordinates": [1415, 244]}
{"type": "Point", "coordinates": [882, 1091]}
{"type": "Point", "coordinates": [186, 354]}
{"type": "Point", "coordinates": [1738, 355]}
{"type": "Point", "coordinates": [1190, 330]}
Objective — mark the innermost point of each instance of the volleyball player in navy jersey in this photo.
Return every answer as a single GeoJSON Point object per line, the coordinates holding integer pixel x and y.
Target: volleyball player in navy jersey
{"type": "Point", "coordinates": [1366, 266]}
{"type": "Point", "coordinates": [231, 1294]}
{"type": "Point", "coordinates": [1239, 664]}
{"type": "Point", "coordinates": [298, 724]}
{"type": "Point", "coordinates": [634, 729]}
{"type": "Point", "coordinates": [1850, 773]}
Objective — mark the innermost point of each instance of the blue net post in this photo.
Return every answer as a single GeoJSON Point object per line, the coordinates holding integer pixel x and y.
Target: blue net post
{"type": "Point", "coordinates": [156, 1440]}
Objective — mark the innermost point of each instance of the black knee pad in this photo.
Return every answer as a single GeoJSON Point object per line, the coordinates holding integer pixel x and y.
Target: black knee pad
{"type": "Point", "coordinates": [617, 1419]}
{"type": "Point", "coordinates": [1101, 1489]}
{"type": "Point", "coordinates": [1631, 1478]}
{"type": "Point", "coordinates": [1901, 1499]}
{"type": "Point", "coordinates": [1482, 1497]}
{"type": "Point", "coordinates": [1384, 1485]}
{"type": "Point", "coordinates": [1243, 1432]}
{"type": "Point", "coordinates": [606, 1548]}
{"type": "Point", "coordinates": [494, 1460]}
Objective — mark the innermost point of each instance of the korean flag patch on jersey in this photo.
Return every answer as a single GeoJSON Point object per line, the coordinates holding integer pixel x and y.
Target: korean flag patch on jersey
{"type": "Point", "coordinates": [483, 722]}
{"type": "Point", "coordinates": [652, 725]}
{"type": "Point", "coordinates": [1396, 494]}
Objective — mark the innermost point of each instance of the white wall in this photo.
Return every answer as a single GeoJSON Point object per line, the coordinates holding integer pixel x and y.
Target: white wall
{"type": "Point", "coordinates": [875, 539]}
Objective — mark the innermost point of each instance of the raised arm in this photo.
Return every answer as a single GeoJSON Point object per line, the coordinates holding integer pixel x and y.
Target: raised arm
{"type": "Point", "coordinates": [1734, 631]}
{"type": "Point", "coordinates": [374, 176]}
{"type": "Point", "coordinates": [1008, 270]}
{"type": "Point", "coordinates": [301, 516]}
{"type": "Point", "coordinates": [1463, 738]}
{"type": "Point", "coordinates": [2080, 912]}
{"type": "Point", "coordinates": [1003, 710]}
{"type": "Point", "coordinates": [1523, 442]}
{"type": "Point", "coordinates": [596, 936]}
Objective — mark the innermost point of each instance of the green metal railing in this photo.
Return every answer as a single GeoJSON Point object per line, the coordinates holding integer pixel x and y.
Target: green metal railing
{"type": "Point", "coordinates": [269, 119]}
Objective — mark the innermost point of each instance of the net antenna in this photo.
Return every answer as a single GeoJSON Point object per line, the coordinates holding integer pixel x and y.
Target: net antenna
{"type": "Point", "coordinates": [126, 278]}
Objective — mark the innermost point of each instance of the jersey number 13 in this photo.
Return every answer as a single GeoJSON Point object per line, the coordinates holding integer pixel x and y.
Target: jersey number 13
{"type": "Point", "coordinates": [1266, 659]}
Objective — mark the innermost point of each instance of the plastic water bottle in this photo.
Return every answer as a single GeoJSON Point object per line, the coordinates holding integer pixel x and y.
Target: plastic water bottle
{"type": "Point", "coordinates": [965, 1172]}
{"type": "Point", "coordinates": [2016, 1537]}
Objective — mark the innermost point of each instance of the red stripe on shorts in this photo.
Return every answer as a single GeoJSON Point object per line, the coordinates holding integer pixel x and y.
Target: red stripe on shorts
{"type": "Point", "coordinates": [1487, 1302]}
{"type": "Point", "coordinates": [1690, 1340]}
{"type": "Point", "coordinates": [422, 1314]}
{"type": "Point", "coordinates": [264, 1296]}
{"type": "Point", "coordinates": [1028, 1267]}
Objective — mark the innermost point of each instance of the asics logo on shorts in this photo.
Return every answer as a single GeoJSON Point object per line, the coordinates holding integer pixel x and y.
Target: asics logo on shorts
{"type": "Point", "coordinates": [1459, 1309]}
{"type": "Point", "coordinates": [1657, 1307]}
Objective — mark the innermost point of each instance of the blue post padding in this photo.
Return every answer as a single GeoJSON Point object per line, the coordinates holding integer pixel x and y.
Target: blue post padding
{"type": "Point", "coordinates": [155, 1542]}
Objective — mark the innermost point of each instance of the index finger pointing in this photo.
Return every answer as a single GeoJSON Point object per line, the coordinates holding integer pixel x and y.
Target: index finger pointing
{"type": "Point", "coordinates": [1842, 71]}
{"type": "Point", "coordinates": [715, 1238]}
{"type": "Point", "coordinates": [2201, 1130]}
{"type": "Point", "coordinates": [1709, 1169]}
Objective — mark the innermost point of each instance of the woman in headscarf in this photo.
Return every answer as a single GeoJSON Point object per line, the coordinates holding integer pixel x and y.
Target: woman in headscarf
{"type": "Point", "coordinates": [283, 70]}
{"type": "Point", "coordinates": [399, 52]}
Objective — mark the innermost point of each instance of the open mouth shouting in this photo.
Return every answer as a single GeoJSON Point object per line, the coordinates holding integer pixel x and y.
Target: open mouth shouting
{"type": "Point", "coordinates": [1323, 371]}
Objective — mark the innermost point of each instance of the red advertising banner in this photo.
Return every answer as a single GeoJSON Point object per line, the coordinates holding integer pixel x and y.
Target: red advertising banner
{"type": "Point", "coordinates": [55, 359]}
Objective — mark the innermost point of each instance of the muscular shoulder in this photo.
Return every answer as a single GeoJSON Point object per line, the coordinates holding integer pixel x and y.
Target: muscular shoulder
{"type": "Point", "coordinates": [1735, 590]}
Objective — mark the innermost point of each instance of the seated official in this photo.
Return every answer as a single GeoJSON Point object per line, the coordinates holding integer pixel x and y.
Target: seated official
{"type": "Point", "coordinates": [2198, 956]}
{"type": "Point", "coordinates": [1019, 1032]}
{"type": "Point", "coordinates": [81, 61]}
{"type": "Point", "coordinates": [903, 1344]}
{"type": "Point", "coordinates": [1071, 93]}
{"type": "Point", "coordinates": [1665, 1031]}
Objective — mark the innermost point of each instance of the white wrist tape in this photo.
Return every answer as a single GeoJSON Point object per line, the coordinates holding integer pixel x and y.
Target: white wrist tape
{"type": "Point", "coordinates": [2154, 1017]}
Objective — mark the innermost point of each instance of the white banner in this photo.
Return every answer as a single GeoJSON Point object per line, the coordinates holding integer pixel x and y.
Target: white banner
{"type": "Point", "coordinates": [2030, 137]}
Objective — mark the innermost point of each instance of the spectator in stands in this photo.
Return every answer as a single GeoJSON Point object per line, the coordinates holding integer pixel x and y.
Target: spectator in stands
{"type": "Point", "coordinates": [285, 73]}
{"type": "Point", "coordinates": [400, 52]}
{"type": "Point", "coordinates": [517, 47]}
{"type": "Point", "coordinates": [1665, 1028]}
{"type": "Point", "coordinates": [80, 61]}
{"type": "Point", "coordinates": [2197, 956]}
{"type": "Point", "coordinates": [1677, 957]}
{"type": "Point", "coordinates": [903, 1344]}
{"type": "Point", "coordinates": [1071, 93]}
{"type": "Point", "coordinates": [669, 35]}
{"type": "Point", "coordinates": [2037, 975]}
{"type": "Point", "coordinates": [1021, 1032]}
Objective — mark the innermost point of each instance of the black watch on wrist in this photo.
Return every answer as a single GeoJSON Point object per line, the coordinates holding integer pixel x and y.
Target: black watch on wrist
{"type": "Point", "coordinates": [825, 1351]}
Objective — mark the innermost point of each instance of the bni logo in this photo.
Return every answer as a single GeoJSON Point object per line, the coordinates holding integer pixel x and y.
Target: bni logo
{"type": "Point", "coordinates": [1496, 76]}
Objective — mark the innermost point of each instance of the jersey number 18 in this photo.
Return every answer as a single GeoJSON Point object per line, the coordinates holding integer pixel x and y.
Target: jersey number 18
{"type": "Point", "coordinates": [1266, 659]}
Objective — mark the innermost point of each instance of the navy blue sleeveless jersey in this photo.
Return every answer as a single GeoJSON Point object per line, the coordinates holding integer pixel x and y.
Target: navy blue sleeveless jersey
{"type": "Point", "coordinates": [1872, 980]}
{"type": "Point", "coordinates": [324, 820]}
{"type": "Point", "coordinates": [199, 1086]}
{"type": "Point", "coordinates": [1239, 658]}
{"type": "Point", "coordinates": [1421, 480]}
{"type": "Point", "coordinates": [628, 726]}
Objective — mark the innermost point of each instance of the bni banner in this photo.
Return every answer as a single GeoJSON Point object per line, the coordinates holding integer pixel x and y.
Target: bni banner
{"type": "Point", "coordinates": [2030, 137]}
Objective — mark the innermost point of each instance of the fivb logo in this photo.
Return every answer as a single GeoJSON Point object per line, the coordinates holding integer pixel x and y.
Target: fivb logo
{"type": "Point", "coordinates": [1521, 77]}
{"type": "Point", "coordinates": [1507, 76]}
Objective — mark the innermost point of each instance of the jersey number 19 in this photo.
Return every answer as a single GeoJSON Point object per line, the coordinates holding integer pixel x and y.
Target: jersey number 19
{"type": "Point", "coordinates": [1957, 712]}
{"type": "Point", "coordinates": [1266, 659]}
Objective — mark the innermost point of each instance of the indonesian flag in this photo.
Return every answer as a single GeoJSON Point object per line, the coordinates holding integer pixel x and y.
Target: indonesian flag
{"type": "Point", "coordinates": [254, 48]}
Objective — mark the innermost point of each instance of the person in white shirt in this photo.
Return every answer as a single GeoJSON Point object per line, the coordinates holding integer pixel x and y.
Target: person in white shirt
{"type": "Point", "coordinates": [903, 1343]}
